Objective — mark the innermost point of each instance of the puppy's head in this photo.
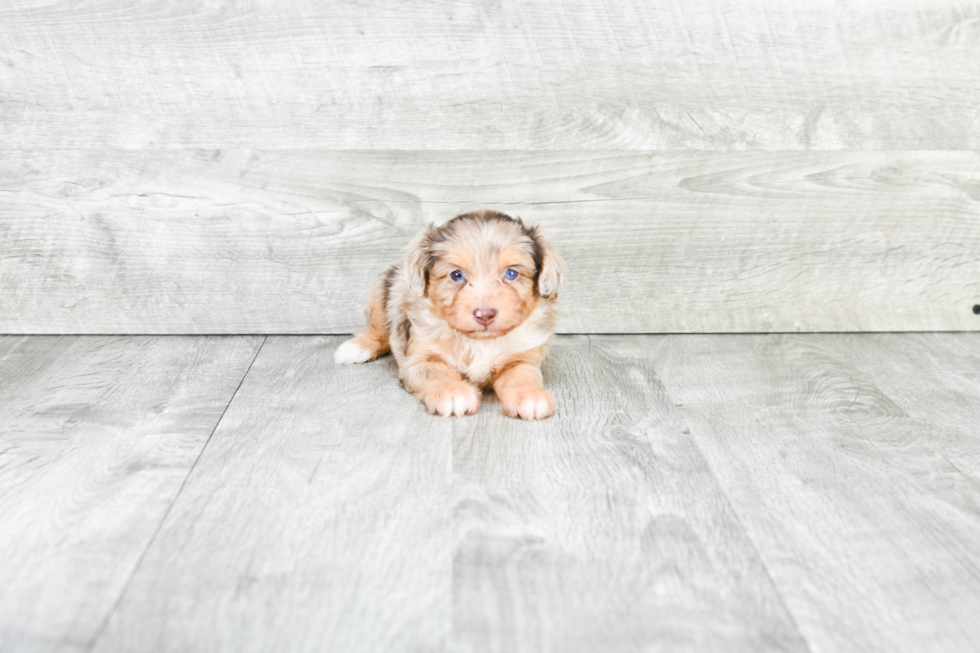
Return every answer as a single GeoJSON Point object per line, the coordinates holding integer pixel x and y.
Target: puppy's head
{"type": "Point", "coordinates": [483, 272]}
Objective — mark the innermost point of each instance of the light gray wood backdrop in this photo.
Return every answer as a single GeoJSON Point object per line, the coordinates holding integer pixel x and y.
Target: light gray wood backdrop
{"type": "Point", "coordinates": [705, 166]}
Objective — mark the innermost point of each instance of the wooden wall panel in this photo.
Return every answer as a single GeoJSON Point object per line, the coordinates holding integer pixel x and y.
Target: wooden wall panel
{"type": "Point", "coordinates": [249, 166]}
{"type": "Point", "coordinates": [289, 242]}
{"type": "Point", "coordinates": [541, 74]}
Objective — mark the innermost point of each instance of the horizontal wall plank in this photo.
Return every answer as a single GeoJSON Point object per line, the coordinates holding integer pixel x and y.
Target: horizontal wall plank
{"type": "Point", "coordinates": [289, 242]}
{"type": "Point", "coordinates": [544, 74]}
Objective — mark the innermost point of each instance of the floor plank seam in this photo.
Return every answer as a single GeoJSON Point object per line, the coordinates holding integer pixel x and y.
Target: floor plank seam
{"type": "Point", "coordinates": [741, 525]}
{"type": "Point", "coordinates": [115, 606]}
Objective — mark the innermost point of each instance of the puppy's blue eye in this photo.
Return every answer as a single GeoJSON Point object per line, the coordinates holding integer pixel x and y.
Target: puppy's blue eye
{"type": "Point", "coordinates": [510, 274]}
{"type": "Point", "coordinates": [456, 275]}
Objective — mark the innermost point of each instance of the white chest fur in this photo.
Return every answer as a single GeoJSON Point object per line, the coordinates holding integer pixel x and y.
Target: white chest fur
{"type": "Point", "coordinates": [476, 358]}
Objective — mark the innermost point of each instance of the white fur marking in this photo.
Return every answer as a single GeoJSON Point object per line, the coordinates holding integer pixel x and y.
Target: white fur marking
{"type": "Point", "coordinates": [351, 352]}
{"type": "Point", "coordinates": [460, 400]}
{"type": "Point", "coordinates": [475, 358]}
{"type": "Point", "coordinates": [483, 354]}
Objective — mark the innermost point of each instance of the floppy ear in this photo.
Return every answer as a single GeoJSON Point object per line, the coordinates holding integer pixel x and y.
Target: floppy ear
{"type": "Point", "coordinates": [552, 269]}
{"type": "Point", "coordinates": [418, 259]}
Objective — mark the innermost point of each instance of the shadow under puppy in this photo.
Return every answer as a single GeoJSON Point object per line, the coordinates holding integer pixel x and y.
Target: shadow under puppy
{"type": "Point", "coordinates": [472, 306]}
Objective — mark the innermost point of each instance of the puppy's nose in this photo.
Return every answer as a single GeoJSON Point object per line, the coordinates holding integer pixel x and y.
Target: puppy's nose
{"type": "Point", "coordinates": [485, 315]}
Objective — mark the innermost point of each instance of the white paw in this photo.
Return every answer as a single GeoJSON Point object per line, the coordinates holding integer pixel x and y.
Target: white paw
{"type": "Point", "coordinates": [452, 399]}
{"type": "Point", "coordinates": [351, 352]}
{"type": "Point", "coordinates": [528, 404]}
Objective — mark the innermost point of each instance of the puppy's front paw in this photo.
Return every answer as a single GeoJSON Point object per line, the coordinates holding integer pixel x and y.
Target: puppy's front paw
{"type": "Point", "coordinates": [352, 351]}
{"type": "Point", "coordinates": [453, 398]}
{"type": "Point", "coordinates": [528, 403]}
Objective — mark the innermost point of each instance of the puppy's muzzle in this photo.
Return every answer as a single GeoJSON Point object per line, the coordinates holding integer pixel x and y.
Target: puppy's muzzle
{"type": "Point", "coordinates": [485, 316]}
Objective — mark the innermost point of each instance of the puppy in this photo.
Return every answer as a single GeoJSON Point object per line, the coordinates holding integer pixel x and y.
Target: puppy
{"type": "Point", "coordinates": [472, 306]}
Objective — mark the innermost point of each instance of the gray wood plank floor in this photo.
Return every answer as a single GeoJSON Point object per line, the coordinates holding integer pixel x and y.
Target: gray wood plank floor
{"type": "Point", "coordinates": [805, 492]}
{"type": "Point", "coordinates": [857, 492]}
{"type": "Point", "coordinates": [96, 438]}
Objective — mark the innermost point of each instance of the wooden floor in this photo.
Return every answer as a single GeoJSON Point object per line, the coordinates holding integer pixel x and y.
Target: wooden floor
{"type": "Point", "coordinates": [710, 493]}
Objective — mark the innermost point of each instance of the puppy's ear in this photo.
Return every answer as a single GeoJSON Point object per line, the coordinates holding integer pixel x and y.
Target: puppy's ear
{"type": "Point", "coordinates": [418, 259]}
{"type": "Point", "coordinates": [552, 269]}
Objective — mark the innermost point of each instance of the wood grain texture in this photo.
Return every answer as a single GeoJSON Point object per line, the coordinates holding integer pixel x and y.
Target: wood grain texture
{"type": "Point", "coordinates": [699, 492]}
{"type": "Point", "coordinates": [316, 520]}
{"type": "Point", "coordinates": [330, 512]}
{"type": "Point", "coordinates": [546, 74]}
{"type": "Point", "coordinates": [289, 242]}
{"type": "Point", "coordinates": [939, 397]}
{"type": "Point", "coordinates": [602, 528]}
{"type": "Point", "coordinates": [96, 437]}
{"type": "Point", "coordinates": [859, 496]}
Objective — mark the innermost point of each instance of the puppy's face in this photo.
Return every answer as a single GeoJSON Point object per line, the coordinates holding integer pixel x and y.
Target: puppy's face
{"type": "Point", "coordinates": [484, 273]}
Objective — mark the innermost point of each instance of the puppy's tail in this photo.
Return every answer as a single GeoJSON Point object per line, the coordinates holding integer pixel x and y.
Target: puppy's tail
{"type": "Point", "coordinates": [372, 341]}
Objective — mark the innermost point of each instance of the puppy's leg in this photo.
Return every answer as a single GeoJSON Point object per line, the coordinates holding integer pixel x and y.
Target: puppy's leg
{"type": "Point", "coordinates": [440, 387]}
{"type": "Point", "coordinates": [520, 389]}
{"type": "Point", "coordinates": [372, 341]}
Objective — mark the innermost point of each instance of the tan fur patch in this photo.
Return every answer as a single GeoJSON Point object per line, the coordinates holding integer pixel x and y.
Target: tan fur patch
{"type": "Point", "coordinates": [522, 394]}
